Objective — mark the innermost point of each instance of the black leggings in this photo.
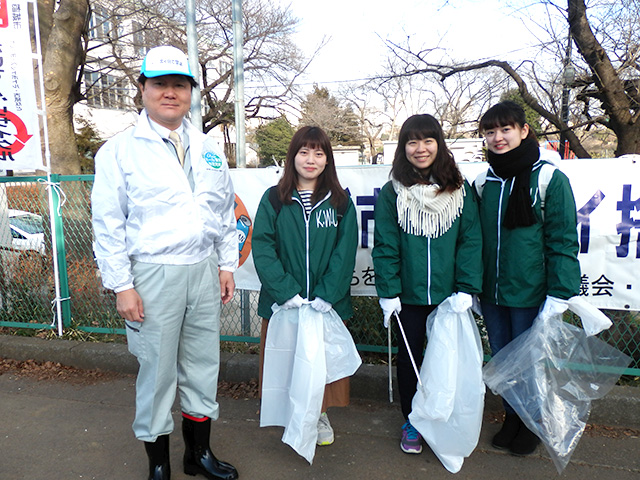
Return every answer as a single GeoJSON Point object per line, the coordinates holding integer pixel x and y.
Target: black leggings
{"type": "Point", "coordinates": [414, 322]}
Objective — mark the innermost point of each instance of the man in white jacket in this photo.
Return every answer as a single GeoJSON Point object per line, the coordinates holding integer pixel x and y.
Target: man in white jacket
{"type": "Point", "coordinates": [166, 244]}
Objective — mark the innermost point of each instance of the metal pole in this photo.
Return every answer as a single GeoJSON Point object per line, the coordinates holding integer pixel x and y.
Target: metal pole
{"type": "Point", "coordinates": [238, 89]}
{"type": "Point", "coordinates": [238, 78]}
{"type": "Point", "coordinates": [564, 108]}
{"type": "Point", "coordinates": [192, 48]}
{"type": "Point", "coordinates": [389, 362]}
{"type": "Point", "coordinates": [61, 277]}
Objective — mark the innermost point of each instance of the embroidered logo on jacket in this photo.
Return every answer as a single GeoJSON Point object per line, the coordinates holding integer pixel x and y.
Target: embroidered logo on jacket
{"type": "Point", "coordinates": [212, 159]}
{"type": "Point", "coordinates": [326, 218]}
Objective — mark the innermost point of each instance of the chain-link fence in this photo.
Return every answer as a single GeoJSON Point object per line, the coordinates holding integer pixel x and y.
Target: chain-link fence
{"type": "Point", "coordinates": [28, 287]}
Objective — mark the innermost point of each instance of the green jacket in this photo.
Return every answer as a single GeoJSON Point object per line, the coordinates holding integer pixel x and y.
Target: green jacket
{"type": "Point", "coordinates": [420, 270]}
{"type": "Point", "coordinates": [313, 258]}
{"type": "Point", "coordinates": [524, 265]}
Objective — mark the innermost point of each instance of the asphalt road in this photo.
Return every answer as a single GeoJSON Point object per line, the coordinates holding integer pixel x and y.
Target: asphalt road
{"type": "Point", "coordinates": [61, 429]}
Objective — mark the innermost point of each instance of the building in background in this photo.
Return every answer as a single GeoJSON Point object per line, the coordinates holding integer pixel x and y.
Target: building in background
{"type": "Point", "coordinates": [117, 45]}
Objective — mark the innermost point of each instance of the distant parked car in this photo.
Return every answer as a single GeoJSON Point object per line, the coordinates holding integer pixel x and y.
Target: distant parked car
{"type": "Point", "coordinates": [27, 231]}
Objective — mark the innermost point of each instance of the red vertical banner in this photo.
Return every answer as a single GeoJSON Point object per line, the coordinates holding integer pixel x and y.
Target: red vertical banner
{"type": "Point", "coordinates": [4, 14]}
{"type": "Point", "coordinates": [19, 121]}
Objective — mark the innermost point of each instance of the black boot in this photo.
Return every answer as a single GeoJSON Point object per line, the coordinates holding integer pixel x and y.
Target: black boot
{"type": "Point", "coordinates": [198, 457]}
{"type": "Point", "coordinates": [525, 442]}
{"type": "Point", "coordinates": [158, 453]}
{"type": "Point", "coordinates": [508, 432]}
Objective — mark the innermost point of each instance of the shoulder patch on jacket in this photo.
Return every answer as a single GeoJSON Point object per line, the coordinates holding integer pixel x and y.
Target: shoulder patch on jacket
{"type": "Point", "coordinates": [212, 159]}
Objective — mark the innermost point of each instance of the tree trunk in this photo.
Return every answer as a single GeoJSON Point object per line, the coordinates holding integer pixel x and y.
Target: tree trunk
{"type": "Point", "coordinates": [62, 52]}
{"type": "Point", "coordinates": [615, 99]}
{"type": "Point", "coordinates": [628, 140]}
{"type": "Point", "coordinates": [45, 19]}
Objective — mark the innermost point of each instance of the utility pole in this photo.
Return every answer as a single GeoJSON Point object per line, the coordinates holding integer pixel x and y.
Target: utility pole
{"type": "Point", "coordinates": [194, 64]}
{"type": "Point", "coordinates": [238, 85]}
{"type": "Point", "coordinates": [241, 158]}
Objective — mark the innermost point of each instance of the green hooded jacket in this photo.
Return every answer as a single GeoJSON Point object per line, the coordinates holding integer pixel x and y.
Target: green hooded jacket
{"type": "Point", "coordinates": [421, 270]}
{"type": "Point", "coordinates": [523, 265]}
{"type": "Point", "coordinates": [311, 258]}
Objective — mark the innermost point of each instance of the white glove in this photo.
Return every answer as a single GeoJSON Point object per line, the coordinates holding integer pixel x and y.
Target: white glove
{"type": "Point", "coordinates": [293, 302]}
{"type": "Point", "coordinates": [461, 302]}
{"type": "Point", "coordinates": [320, 305]}
{"type": "Point", "coordinates": [477, 306]}
{"type": "Point", "coordinates": [388, 306]}
{"type": "Point", "coordinates": [553, 306]}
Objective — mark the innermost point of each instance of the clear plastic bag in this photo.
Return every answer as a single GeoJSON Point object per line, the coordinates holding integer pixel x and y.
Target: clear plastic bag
{"type": "Point", "coordinates": [297, 368]}
{"type": "Point", "coordinates": [549, 375]}
{"type": "Point", "coordinates": [447, 409]}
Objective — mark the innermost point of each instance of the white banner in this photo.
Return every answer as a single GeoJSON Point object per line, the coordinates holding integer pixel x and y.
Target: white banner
{"type": "Point", "coordinates": [607, 193]}
{"type": "Point", "coordinates": [19, 126]}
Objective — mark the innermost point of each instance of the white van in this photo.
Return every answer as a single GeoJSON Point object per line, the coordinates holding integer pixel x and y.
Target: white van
{"type": "Point", "coordinates": [27, 231]}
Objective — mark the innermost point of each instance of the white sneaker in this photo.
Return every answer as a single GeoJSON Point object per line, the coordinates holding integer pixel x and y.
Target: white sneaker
{"type": "Point", "coordinates": [325, 432]}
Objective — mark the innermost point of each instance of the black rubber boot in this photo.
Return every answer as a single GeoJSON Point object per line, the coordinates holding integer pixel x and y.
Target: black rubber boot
{"type": "Point", "coordinates": [525, 442]}
{"type": "Point", "coordinates": [198, 457]}
{"type": "Point", "coordinates": [158, 453]}
{"type": "Point", "coordinates": [508, 432]}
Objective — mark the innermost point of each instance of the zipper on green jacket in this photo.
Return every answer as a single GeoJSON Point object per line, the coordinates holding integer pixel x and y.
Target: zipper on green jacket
{"type": "Point", "coordinates": [306, 247]}
{"type": "Point", "coordinates": [428, 271]}
{"type": "Point", "coordinates": [499, 226]}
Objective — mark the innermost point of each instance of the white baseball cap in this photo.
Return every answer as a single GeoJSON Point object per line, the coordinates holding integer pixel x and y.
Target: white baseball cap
{"type": "Point", "coordinates": [165, 60]}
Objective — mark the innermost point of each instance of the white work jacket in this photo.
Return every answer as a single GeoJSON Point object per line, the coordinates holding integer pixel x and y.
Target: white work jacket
{"type": "Point", "coordinates": [144, 208]}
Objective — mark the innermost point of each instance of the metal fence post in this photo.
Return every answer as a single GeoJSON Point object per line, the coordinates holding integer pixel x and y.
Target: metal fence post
{"type": "Point", "coordinates": [245, 312]}
{"type": "Point", "coordinates": [62, 256]}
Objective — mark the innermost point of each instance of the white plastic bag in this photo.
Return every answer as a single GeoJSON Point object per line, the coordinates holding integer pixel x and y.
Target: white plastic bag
{"type": "Point", "coordinates": [549, 375]}
{"type": "Point", "coordinates": [304, 350]}
{"type": "Point", "coordinates": [447, 411]}
{"type": "Point", "coordinates": [340, 351]}
{"type": "Point", "coordinates": [593, 320]}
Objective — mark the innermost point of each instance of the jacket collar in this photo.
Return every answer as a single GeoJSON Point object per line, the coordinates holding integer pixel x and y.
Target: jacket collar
{"type": "Point", "coordinates": [296, 196]}
{"type": "Point", "coordinates": [143, 128]}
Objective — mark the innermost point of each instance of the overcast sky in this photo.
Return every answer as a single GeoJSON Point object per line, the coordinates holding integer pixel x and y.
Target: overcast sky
{"type": "Point", "coordinates": [469, 29]}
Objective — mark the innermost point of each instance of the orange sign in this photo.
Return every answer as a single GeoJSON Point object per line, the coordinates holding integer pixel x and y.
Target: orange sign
{"type": "Point", "coordinates": [244, 228]}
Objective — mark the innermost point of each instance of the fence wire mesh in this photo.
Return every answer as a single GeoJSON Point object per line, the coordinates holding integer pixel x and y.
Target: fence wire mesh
{"type": "Point", "coordinates": [27, 284]}
{"type": "Point", "coordinates": [26, 272]}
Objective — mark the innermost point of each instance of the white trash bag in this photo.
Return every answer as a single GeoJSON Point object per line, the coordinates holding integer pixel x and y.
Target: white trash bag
{"type": "Point", "coordinates": [593, 320]}
{"type": "Point", "coordinates": [447, 410]}
{"type": "Point", "coordinates": [304, 350]}
{"type": "Point", "coordinates": [550, 374]}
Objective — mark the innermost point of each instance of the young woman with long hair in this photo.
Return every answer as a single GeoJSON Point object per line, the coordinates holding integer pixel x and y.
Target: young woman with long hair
{"type": "Point", "coordinates": [529, 250]}
{"type": "Point", "coordinates": [426, 248]}
{"type": "Point", "coordinates": [304, 245]}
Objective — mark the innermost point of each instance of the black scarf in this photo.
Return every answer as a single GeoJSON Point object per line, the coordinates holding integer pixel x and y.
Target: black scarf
{"type": "Point", "coordinates": [517, 163]}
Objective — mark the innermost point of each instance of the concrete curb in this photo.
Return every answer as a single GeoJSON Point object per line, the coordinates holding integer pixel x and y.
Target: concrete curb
{"type": "Point", "coordinates": [621, 407]}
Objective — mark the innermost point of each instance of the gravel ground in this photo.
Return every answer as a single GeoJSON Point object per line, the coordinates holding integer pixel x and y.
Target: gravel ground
{"type": "Point", "coordinates": [56, 371]}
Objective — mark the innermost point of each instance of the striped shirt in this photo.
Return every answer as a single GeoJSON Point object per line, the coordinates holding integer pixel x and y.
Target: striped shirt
{"type": "Point", "coordinates": [305, 197]}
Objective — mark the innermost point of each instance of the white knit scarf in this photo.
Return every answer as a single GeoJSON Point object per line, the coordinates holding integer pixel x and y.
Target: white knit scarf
{"type": "Point", "coordinates": [425, 212]}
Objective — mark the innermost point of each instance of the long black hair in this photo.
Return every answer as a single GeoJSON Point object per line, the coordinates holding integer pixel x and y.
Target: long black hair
{"type": "Point", "coordinates": [311, 137]}
{"type": "Point", "coordinates": [443, 171]}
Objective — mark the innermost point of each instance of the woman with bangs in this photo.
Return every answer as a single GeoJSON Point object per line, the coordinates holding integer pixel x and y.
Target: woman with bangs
{"type": "Point", "coordinates": [529, 249]}
{"type": "Point", "coordinates": [426, 248]}
{"type": "Point", "coordinates": [304, 245]}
